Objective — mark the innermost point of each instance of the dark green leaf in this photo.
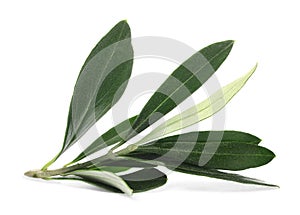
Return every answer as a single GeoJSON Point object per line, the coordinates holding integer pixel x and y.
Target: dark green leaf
{"type": "Point", "coordinates": [185, 80]}
{"type": "Point", "coordinates": [213, 136]}
{"type": "Point", "coordinates": [196, 170]}
{"type": "Point", "coordinates": [139, 181]}
{"type": "Point", "coordinates": [109, 138]}
{"type": "Point", "coordinates": [102, 80]}
{"type": "Point", "coordinates": [228, 153]}
{"type": "Point", "coordinates": [146, 179]}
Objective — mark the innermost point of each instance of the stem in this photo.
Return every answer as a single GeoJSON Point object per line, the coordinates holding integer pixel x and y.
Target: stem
{"type": "Point", "coordinates": [45, 167]}
{"type": "Point", "coordinates": [49, 173]}
{"type": "Point", "coordinates": [44, 173]}
{"type": "Point", "coordinates": [117, 146]}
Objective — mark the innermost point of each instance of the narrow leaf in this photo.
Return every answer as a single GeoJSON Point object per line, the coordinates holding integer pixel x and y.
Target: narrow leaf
{"type": "Point", "coordinates": [102, 80]}
{"type": "Point", "coordinates": [200, 111]}
{"type": "Point", "coordinates": [185, 80]}
{"type": "Point", "coordinates": [196, 170]}
{"type": "Point", "coordinates": [108, 178]}
{"type": "Point", "coordinates": [139, 181]}
{"type": "Point", "coordinates": [227, 153]}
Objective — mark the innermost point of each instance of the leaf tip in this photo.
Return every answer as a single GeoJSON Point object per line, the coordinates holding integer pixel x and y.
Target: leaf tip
{"type": "Point", "coordinates": [129, 192]}
{"type": "Point", "coordinates": [271, 185]}
{"type": "Point", "coordinates": [229, 44]}
{"type": "Point", "coordinates": [123, 24]}
{"type": "Point", "coordinates": [255, 67]}
{"type": "Point", "coordinates": [230, 41]}
{"type": "Point", "coordinates": [124, 21]}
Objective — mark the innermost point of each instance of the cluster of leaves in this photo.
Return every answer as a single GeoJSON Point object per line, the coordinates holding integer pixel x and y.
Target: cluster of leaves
{"type": "Point", "coordinates": [100, 85]}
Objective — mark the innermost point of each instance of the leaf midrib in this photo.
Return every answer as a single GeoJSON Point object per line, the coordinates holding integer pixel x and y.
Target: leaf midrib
{"type": "Point", "coordinates": [199, 153]}
{"type": "Point", "coordinates": [202, 142]}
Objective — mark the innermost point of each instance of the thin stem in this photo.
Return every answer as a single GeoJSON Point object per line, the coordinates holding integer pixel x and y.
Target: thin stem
{"type": "Point", "coordinates": [117, 146]}
{"type": "Point", "coordinates": [44, 173]}
{"type": "Point", "coordinates": [70, 163]}
{"type": "Point", "coordinates": [49, 173]}
{"type": "Point", "coordinates": [45, 167]}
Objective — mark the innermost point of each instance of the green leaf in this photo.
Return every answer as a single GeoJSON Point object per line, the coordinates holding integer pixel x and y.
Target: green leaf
{"type": "Point", "coordinates": [212, 173]}
{"type": "Point", "coordinates": [112, 136]}
{"type": "Point", "coordinates": [185, 80]}
{"type": "Point", "coordinates": [139, 181]}
{"type": "Point", "coordinates": [213, 136]}
{"type": "Point", "coordinates": [107, 178]}
{"type": "Point", "coordinates": [203, 149]}
{"type": "Point", "coordinates": [146, 179]}
{"type": "Point", "coordinates": [101, 82]}
{"type": "Point", "coordinates": [201, 111]}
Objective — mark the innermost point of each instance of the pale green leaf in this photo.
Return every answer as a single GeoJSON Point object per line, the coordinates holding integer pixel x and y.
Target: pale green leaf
{"type": "Point", "coordinates": [201, 111]}
{"type": "Point", "coordinates": [108, 178]}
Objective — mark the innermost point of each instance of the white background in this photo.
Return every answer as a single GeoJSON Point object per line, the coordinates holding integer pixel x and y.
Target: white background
{"type": "Point", "coordinates": [43, 45]}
